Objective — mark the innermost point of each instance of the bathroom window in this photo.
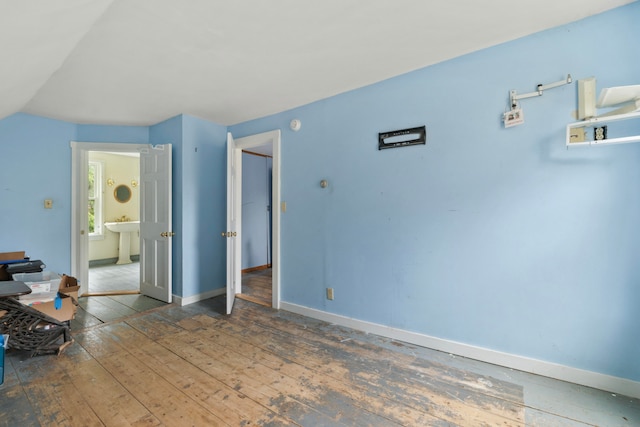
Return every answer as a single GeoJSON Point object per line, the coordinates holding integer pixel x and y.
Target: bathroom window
{"type": "Point", "coordinates": [95, 199]}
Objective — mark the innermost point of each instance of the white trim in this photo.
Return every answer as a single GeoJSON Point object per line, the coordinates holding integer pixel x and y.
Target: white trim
{"type": "Point", "coordinates": [79, 209]}
{"type": "Point", "coordinates": [182, 301]}
{"type": "Point", "coordinates": [592, 379]}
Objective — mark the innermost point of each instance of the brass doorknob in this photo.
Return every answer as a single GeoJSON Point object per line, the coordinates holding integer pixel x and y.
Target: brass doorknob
{"type": "Point", "coordinates": [167, 234]}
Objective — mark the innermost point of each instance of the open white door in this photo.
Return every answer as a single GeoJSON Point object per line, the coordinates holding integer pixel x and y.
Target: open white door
{"type": "Point", "coordinates": [155, 222]}
{"type": "Point", "coordinates": [234, 212]}
{"type": "Point", "coordinates": [232, 233]}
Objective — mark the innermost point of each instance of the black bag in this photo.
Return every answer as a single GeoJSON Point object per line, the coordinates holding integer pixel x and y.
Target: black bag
{"type": "Point", "coordinates": [35, 266]}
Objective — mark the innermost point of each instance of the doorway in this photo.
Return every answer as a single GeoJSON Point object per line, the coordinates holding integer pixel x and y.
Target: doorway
{"type": "Point", "coordinates": [154, 225]}
{"type": "Point", "coordinates": [265, 143]}
{"type": "Point", "coordinates": [114, 203]}
{"type": "Point", "coordinates": [256, 241]}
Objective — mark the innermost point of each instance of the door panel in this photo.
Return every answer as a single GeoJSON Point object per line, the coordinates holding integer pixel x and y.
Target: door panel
{"type": "Point", "coordinates": [155, 222]}
{"type": "Point", "coordinates": [234, 213]}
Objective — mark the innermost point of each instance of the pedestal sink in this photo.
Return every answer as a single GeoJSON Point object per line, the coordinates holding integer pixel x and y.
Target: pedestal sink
{"type": "Point", "coordinates": [125, 228]}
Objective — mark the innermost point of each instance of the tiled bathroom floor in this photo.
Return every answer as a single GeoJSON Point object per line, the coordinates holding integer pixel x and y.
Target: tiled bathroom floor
{"type": "Point", "coordinates": [114, 277]}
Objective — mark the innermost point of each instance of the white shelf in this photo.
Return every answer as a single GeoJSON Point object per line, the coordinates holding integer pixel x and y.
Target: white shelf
{"type": "Point", "coordinates": [600, 121]}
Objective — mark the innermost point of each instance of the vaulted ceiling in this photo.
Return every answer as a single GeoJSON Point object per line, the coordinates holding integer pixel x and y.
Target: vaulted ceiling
{"type": "Point", "coordinates": [140, 62]}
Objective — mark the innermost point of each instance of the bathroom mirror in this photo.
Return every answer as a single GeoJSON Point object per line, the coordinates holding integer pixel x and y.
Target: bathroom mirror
{"type": "Point", "coordinates": [122, 193]}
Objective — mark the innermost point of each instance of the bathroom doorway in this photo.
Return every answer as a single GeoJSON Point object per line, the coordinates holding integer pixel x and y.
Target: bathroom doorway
{"type": "Point", "coordinates": [154, 213]}
{"type": "Point", "coordinates": [114, 220]}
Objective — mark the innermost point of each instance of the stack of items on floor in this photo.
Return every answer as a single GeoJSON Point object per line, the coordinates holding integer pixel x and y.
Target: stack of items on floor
{"type": "Point", "coordinates": [37, 321]}
{"type": "Point", "coordinates": [51, 294]}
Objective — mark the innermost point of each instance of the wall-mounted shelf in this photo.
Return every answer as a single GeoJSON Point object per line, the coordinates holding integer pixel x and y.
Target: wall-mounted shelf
{"type": "Point", "coordinates": [576, 135]}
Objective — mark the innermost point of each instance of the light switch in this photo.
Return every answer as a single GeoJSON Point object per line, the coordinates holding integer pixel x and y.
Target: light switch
{"type": "Point", "coordinates": [48, 204]}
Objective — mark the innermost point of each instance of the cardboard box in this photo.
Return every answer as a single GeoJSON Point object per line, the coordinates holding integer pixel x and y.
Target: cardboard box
{"type": "Point", "coordinates": [66, 312]}
{"type": "Point", "coordinates": [68, 291]}
{"type": "Point", "coordinates": [8, 256]}
{"type": "Point", "coordinates": [69, 285]}
{"type": "Point", "coordinates": [11, 256]}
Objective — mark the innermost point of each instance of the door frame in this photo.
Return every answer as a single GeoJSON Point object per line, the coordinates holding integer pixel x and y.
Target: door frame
{"type": "Point", "coordinates": [274, 138]}
{"type": "Point", "coordinates": [79, 208]}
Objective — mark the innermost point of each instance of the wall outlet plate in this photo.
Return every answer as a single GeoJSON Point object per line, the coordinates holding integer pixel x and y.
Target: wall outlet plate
{"type": "Point", "coordinates": [600, 133]}
{"type": "Point", "coordinates": [330, 293]}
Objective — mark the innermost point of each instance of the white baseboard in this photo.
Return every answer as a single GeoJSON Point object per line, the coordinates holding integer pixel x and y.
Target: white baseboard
{"type": "Point", "coordinates": [592, 379]}
{"type": "Point", "coordinates": [199, 297]}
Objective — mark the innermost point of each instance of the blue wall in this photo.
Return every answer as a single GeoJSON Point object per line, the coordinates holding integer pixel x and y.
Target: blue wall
{"type": "Point", "coordinates": [170, 132]}
{"type": "Point", "coordinates": [204, 199]}
{"type": "Point", "coordinates": [499, 238]}
{"type": "Point", "coordinates": [37, 165]}
{"type": "Point", "coordinates": [199, 197]}
{"type": "Point", "coordinates": [107, 133]}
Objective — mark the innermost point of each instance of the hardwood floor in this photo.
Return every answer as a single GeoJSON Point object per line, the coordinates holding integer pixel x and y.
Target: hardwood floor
{"type": "Point", "coordinates": [96, 310]}
{"type": "Point", "coordinates": [192, 366]}
{"type": "Point", "coordinates": [256, 287]}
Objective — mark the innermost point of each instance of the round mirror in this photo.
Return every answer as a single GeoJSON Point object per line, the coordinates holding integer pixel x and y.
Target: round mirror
{"type": "Point", "coordinates": [122, 193]}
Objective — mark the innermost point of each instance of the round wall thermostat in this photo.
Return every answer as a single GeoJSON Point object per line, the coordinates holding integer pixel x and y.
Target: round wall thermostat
{"type": "Point", "coordinates": [295, 125]}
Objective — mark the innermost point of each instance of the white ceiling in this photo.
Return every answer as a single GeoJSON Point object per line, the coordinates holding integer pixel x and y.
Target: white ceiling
{"type": "Point", "coordinates": [139, 62]}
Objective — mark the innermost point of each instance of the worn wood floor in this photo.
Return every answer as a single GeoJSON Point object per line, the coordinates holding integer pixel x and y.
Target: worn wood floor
{"type": "Point", "coordinates": [96, 310]}
{"type": "Point", "coordinates": [192, 366]}
{"type": "Point", "coordinates": [256, 287]}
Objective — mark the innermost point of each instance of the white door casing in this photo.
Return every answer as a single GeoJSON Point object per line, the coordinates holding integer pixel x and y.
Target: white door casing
{"type": "Point", "coordinates": [79, 210]}
{"type": "Point", "coordinates": [80, 215]}
{"type": "Point", "coordinates": [155, 222]}
{"type": "Point", "coordinates": [234, 186]}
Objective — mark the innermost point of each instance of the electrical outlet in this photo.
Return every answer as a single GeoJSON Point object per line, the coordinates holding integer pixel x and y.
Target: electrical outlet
{"type": "Point", "coordinates": [330, 293]}
{"type": "Point", "coordinates": [600, 133]}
